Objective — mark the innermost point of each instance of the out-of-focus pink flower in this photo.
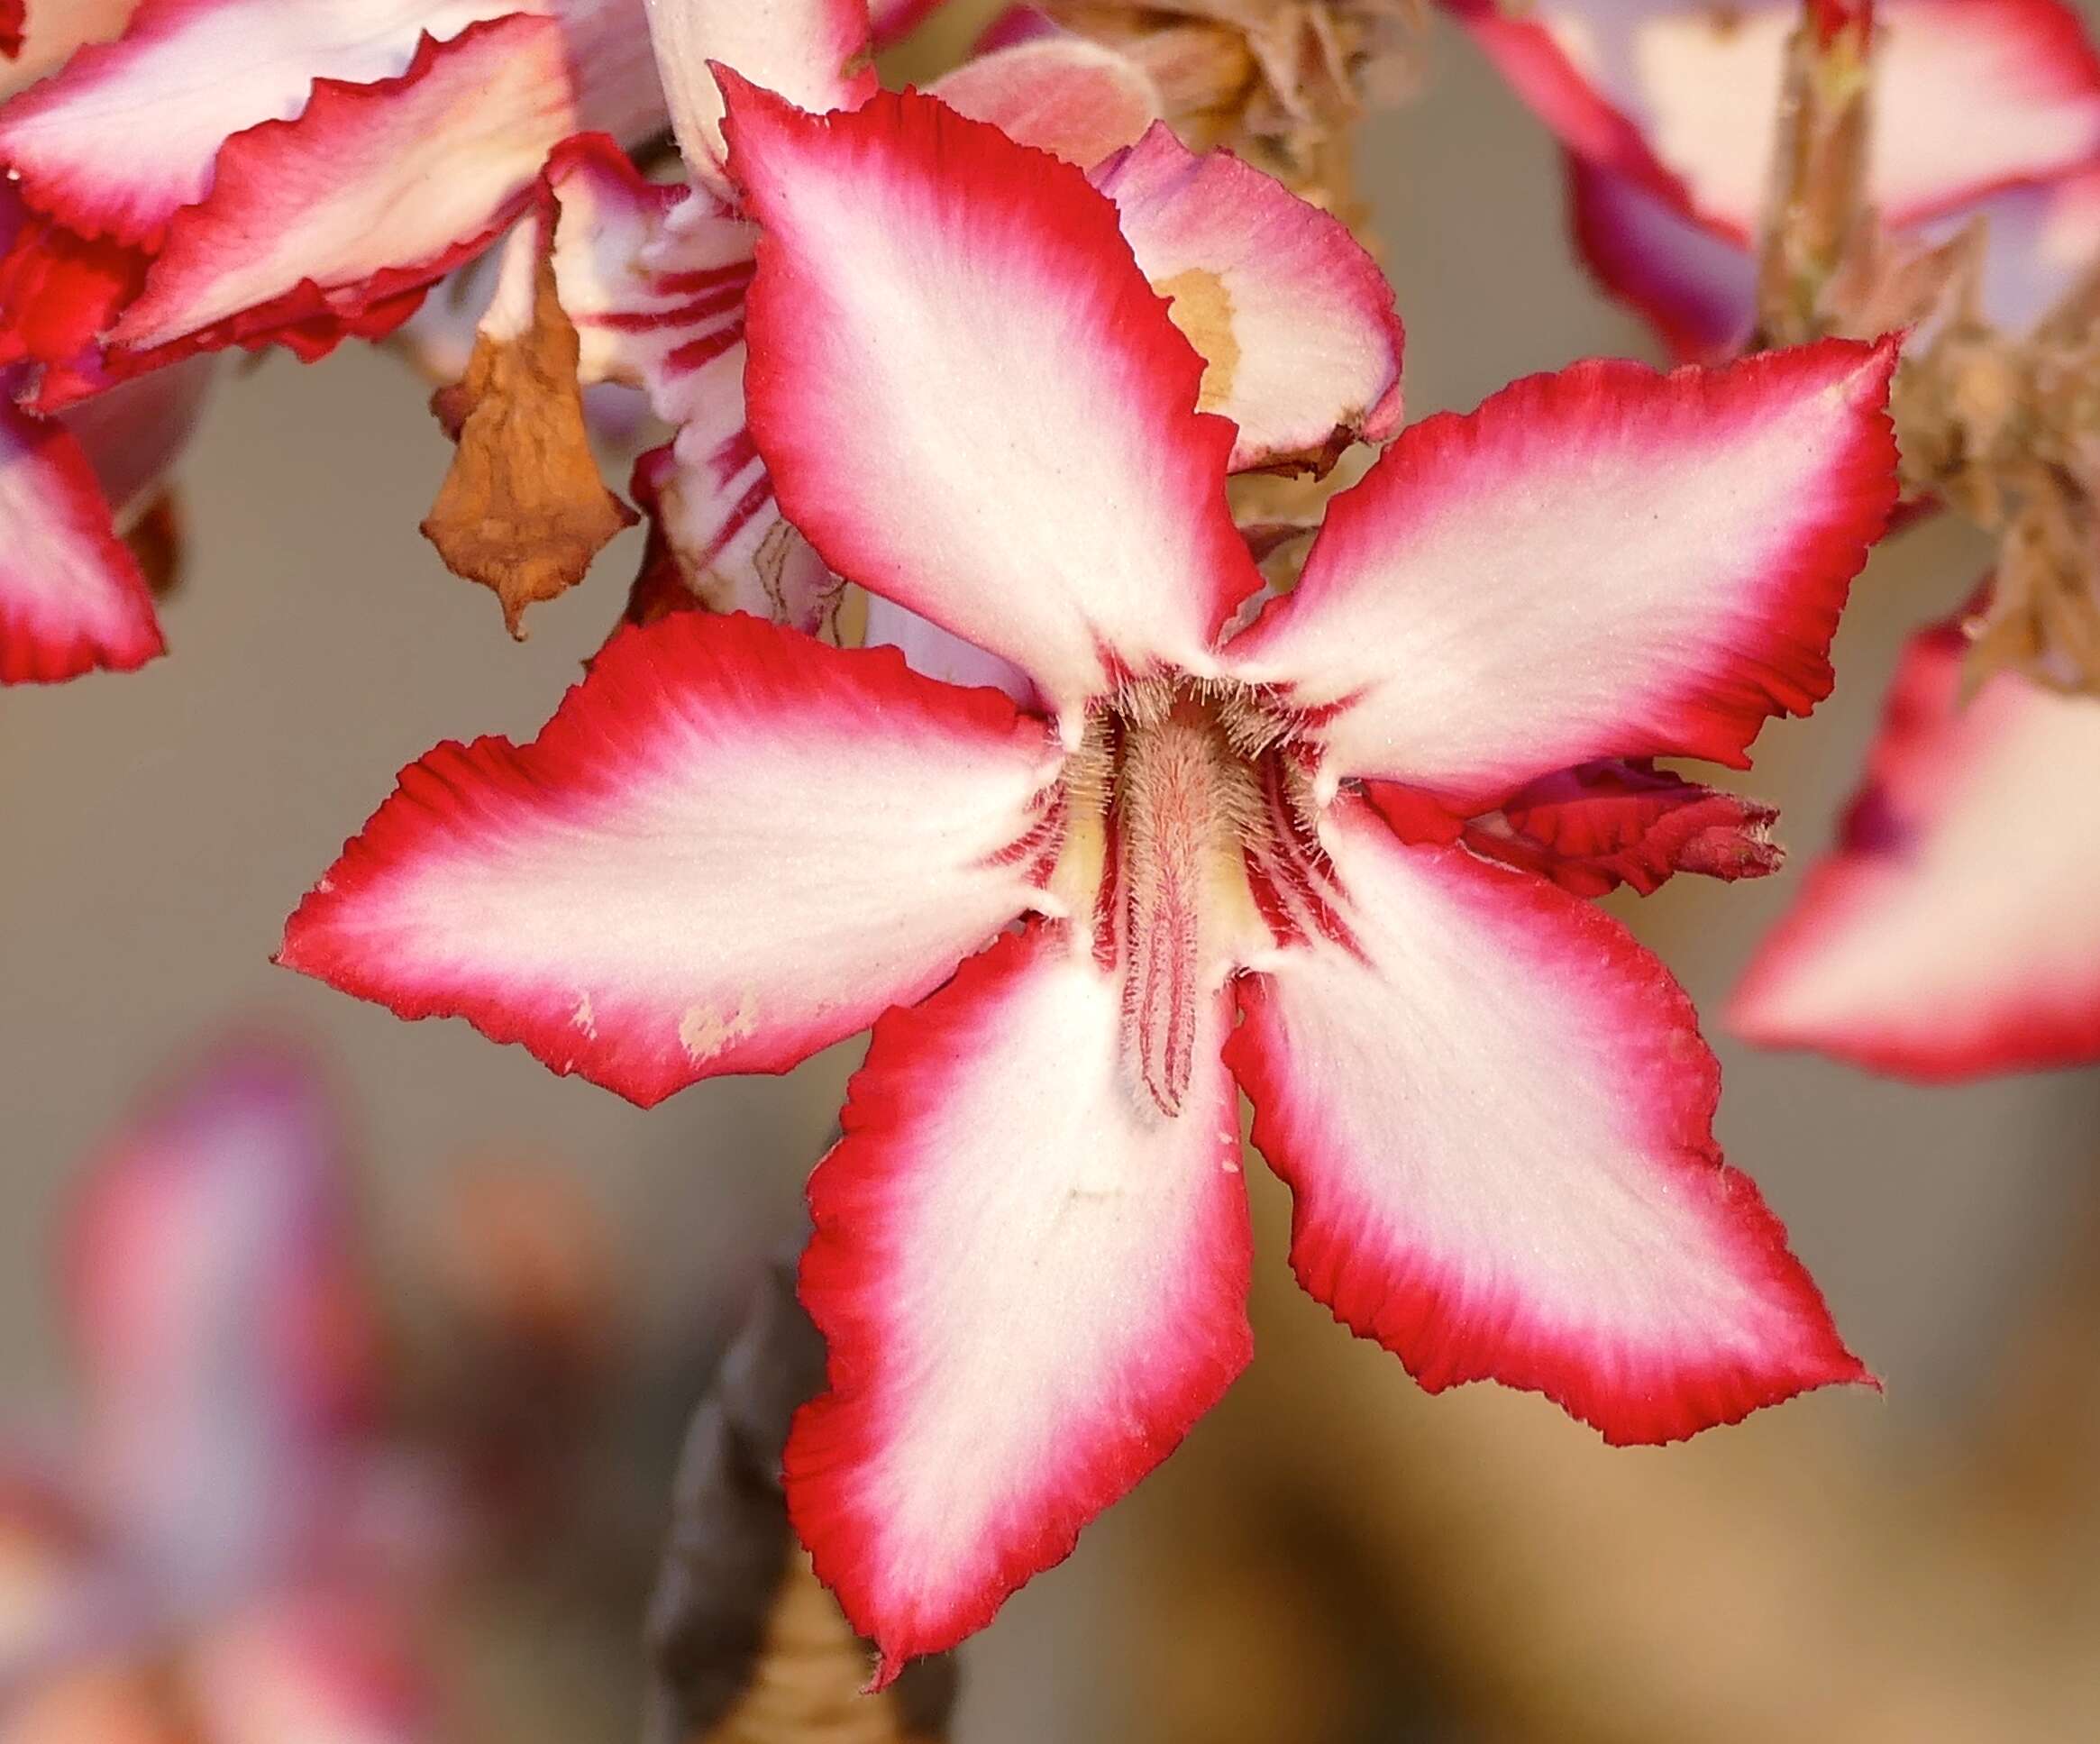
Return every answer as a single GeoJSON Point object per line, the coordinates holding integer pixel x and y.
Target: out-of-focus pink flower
{"type": "Point", "coordinates": [734, 846]}
{"type": "Point", "coordinates": [1953, 932]}
{"type": "Point", "coordinates": [1669, 111]}
{"type": "Point", "coordinates": [201, 1566]}
{"type": "Point", "coordinates": [1946, 937]}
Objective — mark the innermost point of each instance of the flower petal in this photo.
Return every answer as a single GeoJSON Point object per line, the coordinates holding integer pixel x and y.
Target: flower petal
{"type": "Point", "coordinates": [927, 648]}
{"type": "Point", "coordinates": [1294, 320]}
{"type": "Point", "coordinates": [1604, 562]}
{"type": "Point", "coordinates": [1953, 933]}
{"type": "Point", "coordinates": [814, 53]}
{"type": "Point", "coordinates": [654, 279]}
{"type": "Point", "coordinates": [895, 19]}
{"type": "Point", "coordinates": [375, 189]}
{"type": "Point", "coordinates": [1031, 1282]}
{"type": "Point", "coordinates": [1696, 288]}
{"type": "Point", "coordinates": [972, 402]}
{"type": "Point", "coordinates": [730, 847]}
{"type": "Point", "coordinates": [1595, 827]}
{"type": "Point", "coordinates": [1684, 98]}
{"type": "Point", "coordinates": [1063, 95]}
{"type": "Point", "coordinates": [71, 595]}
{"type": "Point", "coordinates": [190, 74]}
{"type": "Point", "coordinates": [1494, 1112]}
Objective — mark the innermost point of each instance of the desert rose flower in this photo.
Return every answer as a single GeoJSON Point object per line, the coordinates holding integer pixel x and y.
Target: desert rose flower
{"type": "Point", "coordinates": [735, 844]}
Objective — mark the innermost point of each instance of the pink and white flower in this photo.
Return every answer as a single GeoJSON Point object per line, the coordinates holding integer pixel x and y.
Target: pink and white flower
{"type": "Point", "coordinates": [227, 1363]}
{"type": "Point", "coordinates": [1668, 112]}
{"type": "Point", "coordinates": [72, 596]}
{"type": "Point", "coordinates": [315, 165]}
{"type": "Point", "coordinates": [1917, 947]}
{"type": "Point", "coordinates": [735, 844]}
{"type": "Point", "coordinates": [1296, 320]}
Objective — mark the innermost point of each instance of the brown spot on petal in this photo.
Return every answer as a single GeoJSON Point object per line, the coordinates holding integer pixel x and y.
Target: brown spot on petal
{"type": "Point", "coordinates": [522, 510]}
{"type": "Point", "coordinates": [1202, 307]}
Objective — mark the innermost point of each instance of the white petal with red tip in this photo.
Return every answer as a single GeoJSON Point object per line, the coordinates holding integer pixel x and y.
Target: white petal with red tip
{"type": "Point", "coordinates": [1061, 94]}
{"type": "Point", "coordinates": [412, 175]}
{"type": "Point", "coordinates": [1031, 1281]}
{"type": "Point", "coordinates": [731, 846]}
{"type": "Point", "coordinates": [1687, 96]}
{"type": "Point", "coordinates": [1605, 562]}
{"type": "Point", "coordinates": [190, 74]}
{"type": "Point", "coordinates": [971, 400]}
{"type": "Point", "coordinates": [1955, 932]}
{"type": "Point", "coordinates": [71, 595]}
{"type": "Point", "coordinates": [813, 52]}
{"type": "Point", "coordinates": [1494, 1112]}
{"type": "Point", "coordinates": [1295, 321]}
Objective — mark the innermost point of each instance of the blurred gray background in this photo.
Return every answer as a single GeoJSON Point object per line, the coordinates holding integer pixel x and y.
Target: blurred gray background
{"type": "Point", "coordinates": [159, 827]}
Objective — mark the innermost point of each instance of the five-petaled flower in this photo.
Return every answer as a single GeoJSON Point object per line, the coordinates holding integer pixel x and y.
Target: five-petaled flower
{"type": "Point", "coordinates": [733, 845]}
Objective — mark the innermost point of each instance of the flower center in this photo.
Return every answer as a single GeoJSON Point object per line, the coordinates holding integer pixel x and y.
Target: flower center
{"type": "Point", "coordinates": [1167, 807]}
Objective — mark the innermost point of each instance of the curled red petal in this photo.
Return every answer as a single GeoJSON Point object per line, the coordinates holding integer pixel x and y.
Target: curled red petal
{"type": "Point", "coordinates": [1592, 828]}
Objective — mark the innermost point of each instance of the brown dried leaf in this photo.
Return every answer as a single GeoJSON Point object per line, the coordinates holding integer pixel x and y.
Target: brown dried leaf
{"type": "Point", "coordinates": [522, 510]}
{"type": "Point", "coordinates": [748, 1647]}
